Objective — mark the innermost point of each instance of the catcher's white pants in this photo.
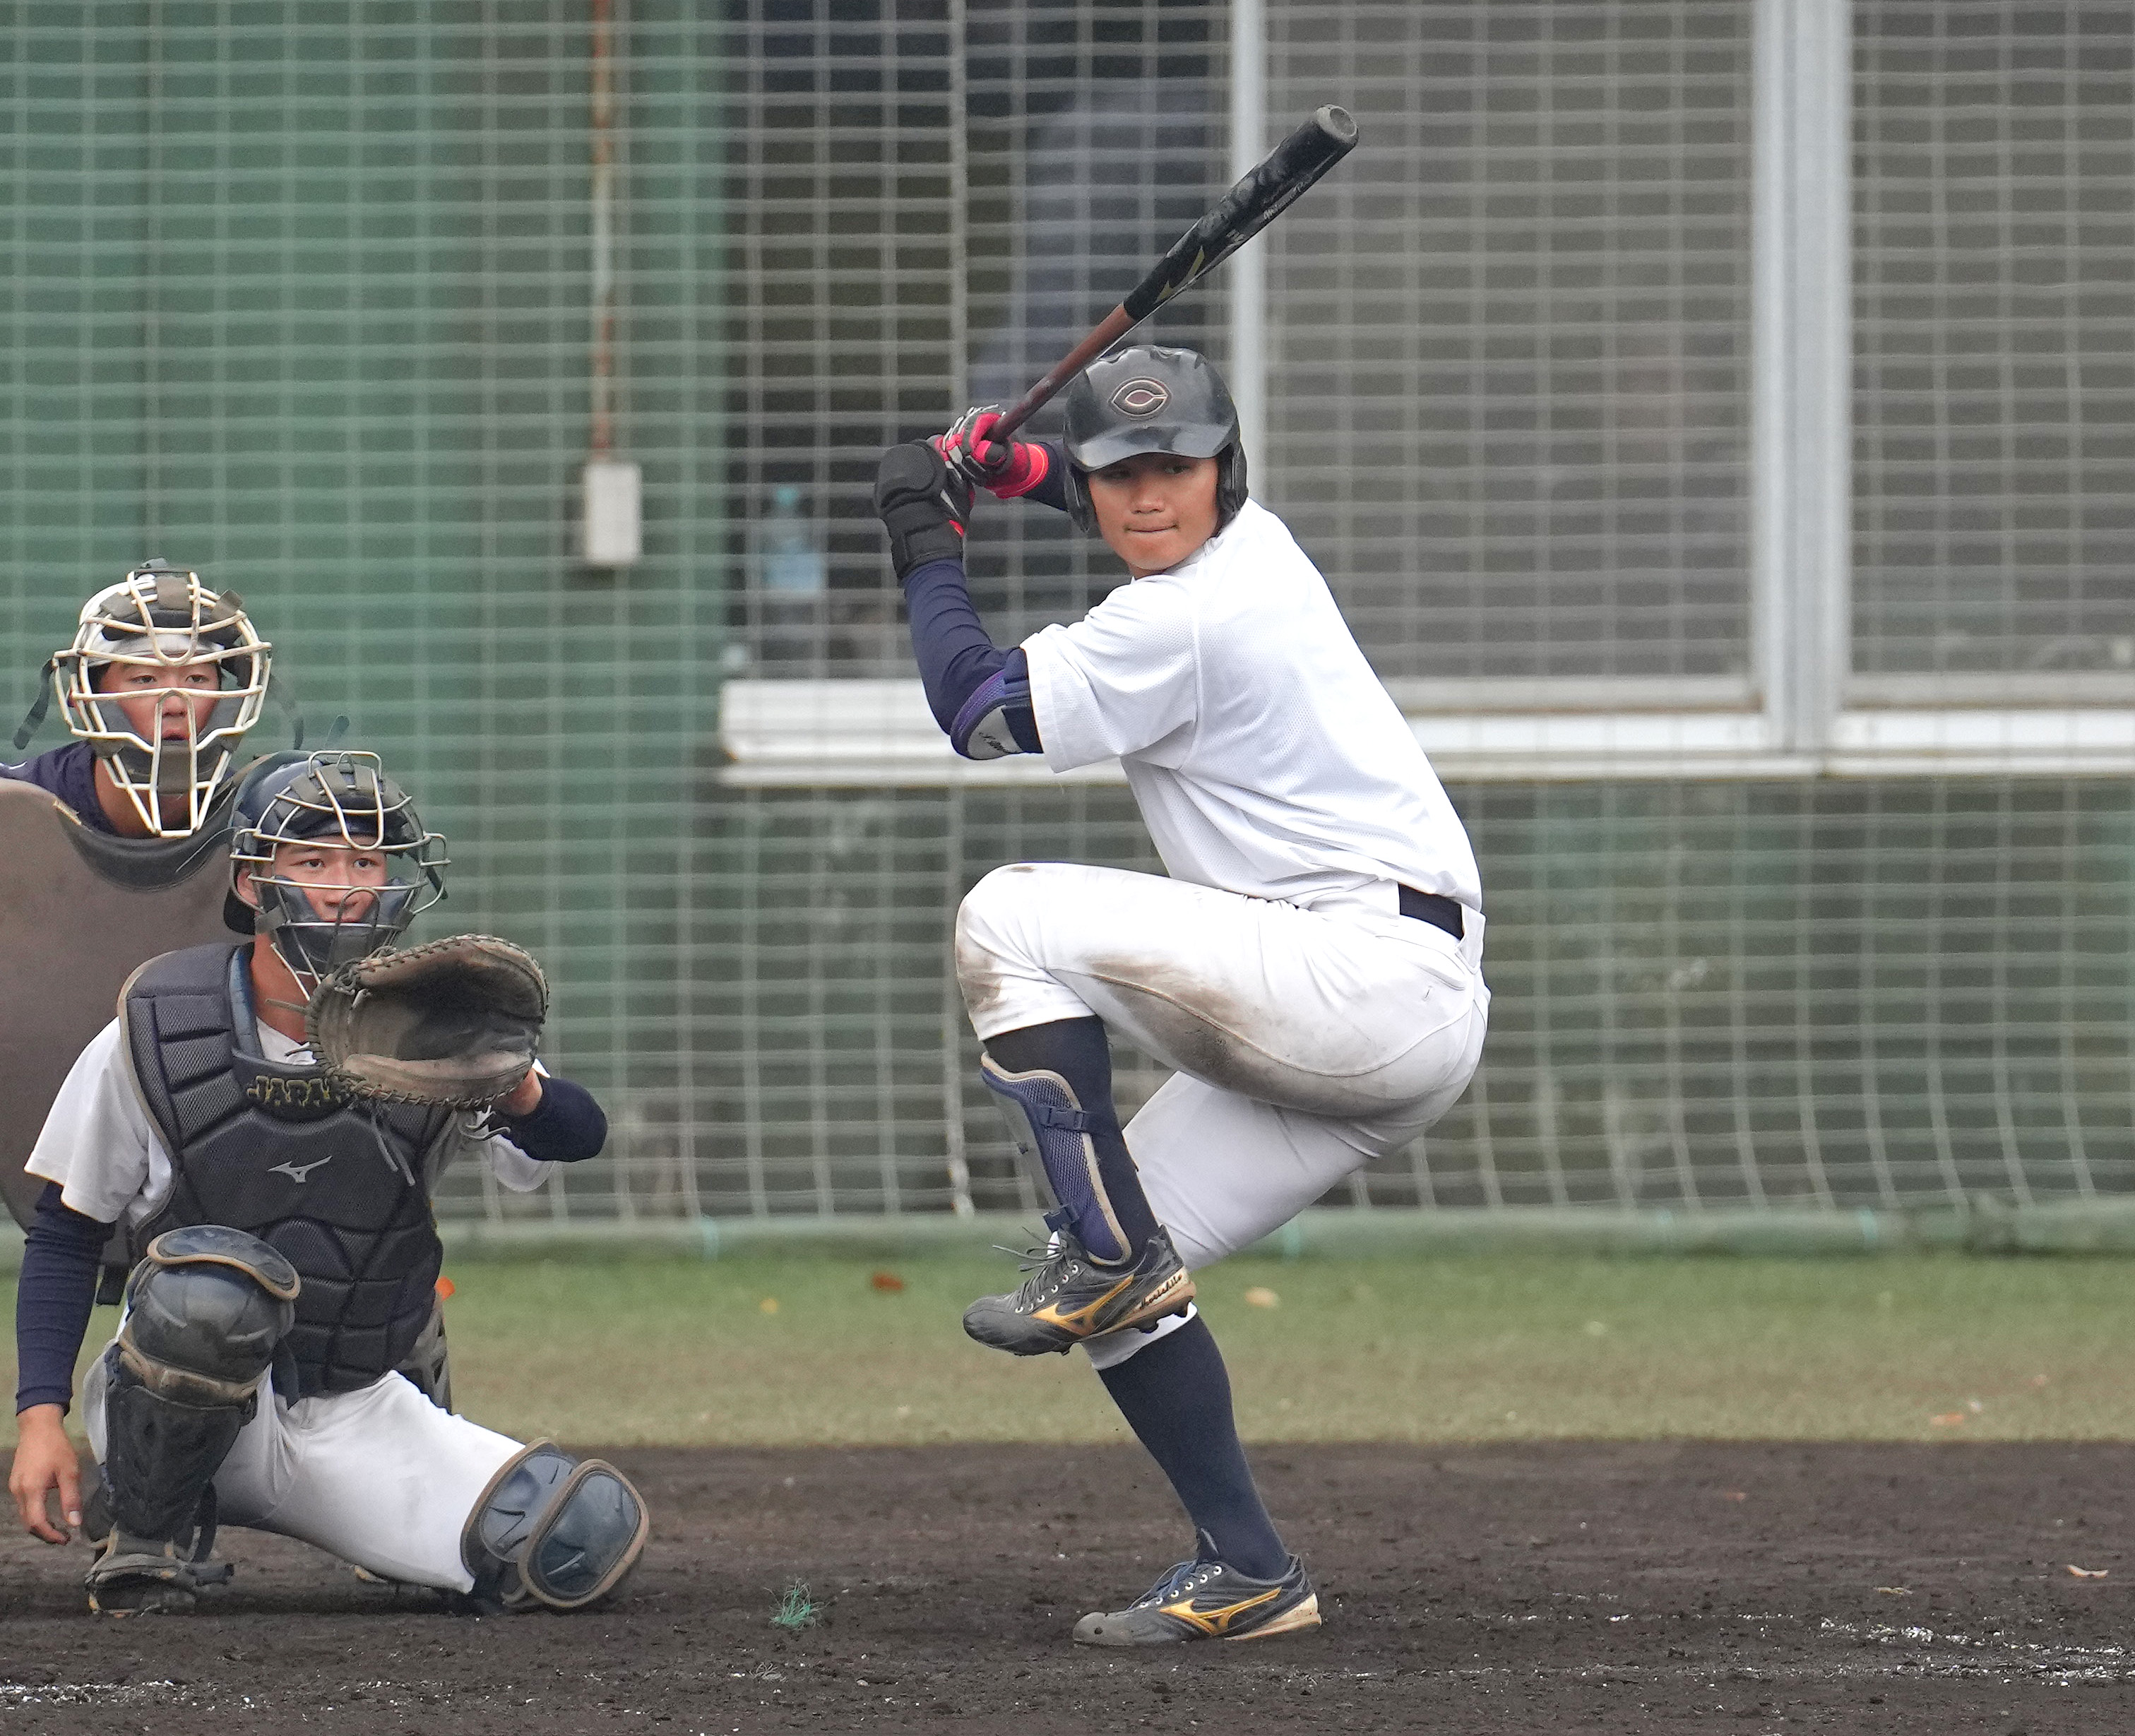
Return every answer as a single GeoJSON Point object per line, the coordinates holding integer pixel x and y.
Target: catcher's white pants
{"type": "Point", "coordinates": [380, 1477]}
{"type": "Point", "coordinates": [1306, 1042]}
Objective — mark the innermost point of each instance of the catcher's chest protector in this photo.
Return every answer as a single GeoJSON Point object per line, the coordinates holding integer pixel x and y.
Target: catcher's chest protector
{"type": "Point", "coordinates": [339, 1187]}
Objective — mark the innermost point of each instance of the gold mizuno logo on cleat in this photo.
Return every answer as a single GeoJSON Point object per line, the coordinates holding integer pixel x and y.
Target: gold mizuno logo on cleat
{"type": "Point", "coordinates": [1216, 1622]}
{"type": "Point", "coordinates": [1079, 1319]}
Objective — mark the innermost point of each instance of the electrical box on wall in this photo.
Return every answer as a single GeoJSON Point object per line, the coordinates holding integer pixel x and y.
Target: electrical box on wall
{"type": "Point", "coordinates": [610, 519]}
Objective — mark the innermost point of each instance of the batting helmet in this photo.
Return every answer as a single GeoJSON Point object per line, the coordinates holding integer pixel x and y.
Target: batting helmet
{"type": "Point", "coordinates": [346, 800]}
{"type": "Point", "coordinates": [160, 618]}
{"type": "Point", "coordinates": [1148, 399]}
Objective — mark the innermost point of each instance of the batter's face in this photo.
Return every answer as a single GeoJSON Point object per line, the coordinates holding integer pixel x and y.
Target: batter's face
{"type": "Point", "coordinates": [339, 879]}
{"type": "Point", "coordinates": [1155, 509]}
{"type": "Point", "coordinates": [169, 701]}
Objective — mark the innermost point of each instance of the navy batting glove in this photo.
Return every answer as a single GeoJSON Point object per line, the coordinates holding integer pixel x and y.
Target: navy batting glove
{"type": "Point", "coordinates": [923, 504]}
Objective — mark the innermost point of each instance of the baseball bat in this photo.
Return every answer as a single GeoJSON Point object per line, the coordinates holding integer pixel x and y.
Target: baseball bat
{"type": "Point", "coordinates": [1267, 191]}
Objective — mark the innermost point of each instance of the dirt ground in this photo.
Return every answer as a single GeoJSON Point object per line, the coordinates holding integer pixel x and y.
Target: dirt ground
{"type": "Point", "coordinates": [1637, 1588]}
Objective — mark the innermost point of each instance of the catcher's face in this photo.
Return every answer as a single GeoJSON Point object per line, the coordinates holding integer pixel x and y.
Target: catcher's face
{"type": "Point", "coordinates": [339, 880]}
{"type": "Point", "coordinates": [165, 701]}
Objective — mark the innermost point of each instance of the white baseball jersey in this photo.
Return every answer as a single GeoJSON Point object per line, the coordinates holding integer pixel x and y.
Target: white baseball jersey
{"type": "Point", "coordinates": [1312, 1027]}
{"type": "Point", "coordinates": [100, 1145]}
{"type": "Point", "coordinates": [1265, 755]}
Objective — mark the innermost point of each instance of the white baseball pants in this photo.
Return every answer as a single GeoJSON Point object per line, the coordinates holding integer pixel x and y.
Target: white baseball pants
{"type": "Point", "coordinates": [380, 1477]}
{"type": "Point", "coordinates": [1306, 1042]}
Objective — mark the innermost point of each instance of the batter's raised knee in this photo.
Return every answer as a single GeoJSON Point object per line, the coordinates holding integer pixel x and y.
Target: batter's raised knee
{"type": "Point", "coordinates": [1000, 963]}
{"type": "Point", "coordinates": [992, 909]}
{"type": "Point", "coordinates": [554, 1531]}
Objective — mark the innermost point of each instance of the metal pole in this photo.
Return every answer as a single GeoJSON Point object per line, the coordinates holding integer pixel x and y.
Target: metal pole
{"type": "Point", "coordinates": [960, 193]}
{"type": "Point", "coordinates": [611, 497]}
{"type": "Point", "coordinates": [1247, 268]}
{"type": "Point", "coordinates": [602, 435]}
{"type": "Point", "coordinates": [1801, 444]}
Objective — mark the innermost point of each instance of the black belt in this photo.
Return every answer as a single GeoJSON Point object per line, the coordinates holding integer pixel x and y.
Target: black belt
{"type": "Point", "coordinates": [1436, 909]}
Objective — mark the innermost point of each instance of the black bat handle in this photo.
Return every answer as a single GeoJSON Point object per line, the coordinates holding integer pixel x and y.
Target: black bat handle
{"type": "Point", "coordinates": [1327, 137]}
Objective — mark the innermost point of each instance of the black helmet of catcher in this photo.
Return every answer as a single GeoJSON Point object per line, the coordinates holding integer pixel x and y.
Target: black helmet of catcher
{"type": "Point", "coordinates": [1148, 399]}
{"type": "Point", "coordinates": [343, 799]}
{"type": "Point", "coordinates": [161, 618]}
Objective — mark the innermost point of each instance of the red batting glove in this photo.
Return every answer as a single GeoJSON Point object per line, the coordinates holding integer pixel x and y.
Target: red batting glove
{"type": "Point", "coordinates": [1006, 468]}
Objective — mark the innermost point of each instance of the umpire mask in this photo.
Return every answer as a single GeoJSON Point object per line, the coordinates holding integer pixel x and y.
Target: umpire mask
{"type": "Point", "coordinates": [163, 680]}
{"type": "Point", "coordinates": [380, 869]}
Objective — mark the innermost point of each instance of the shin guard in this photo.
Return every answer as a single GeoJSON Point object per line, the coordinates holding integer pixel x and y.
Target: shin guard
{"type": "Point", "coordinates": [204, 1312]}
{"type": "Point", "coordinates": [554, 1531]}
{"type": "Point", "coordinates": [1047, 1122]}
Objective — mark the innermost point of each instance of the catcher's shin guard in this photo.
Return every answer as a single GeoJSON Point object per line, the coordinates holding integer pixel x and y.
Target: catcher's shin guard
{"type": "Point", "coordinates": [1046, 1120]}
{"type": "Point", "coordinates": [143, 1576]}
{"type": "Point", "coordinates": [204, 1310]}
{"type": "Point", "coordinates": [1068, 1297]}
{"type": "Point", "coordinates": [554, 1531]}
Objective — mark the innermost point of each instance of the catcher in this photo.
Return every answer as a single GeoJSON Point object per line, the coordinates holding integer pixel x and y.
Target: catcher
{"type": "Point", "coordinates": [277, 1209]}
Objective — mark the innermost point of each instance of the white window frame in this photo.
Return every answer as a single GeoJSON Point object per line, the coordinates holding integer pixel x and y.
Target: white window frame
{"type": "Point", "coordinates": [1804, 713]}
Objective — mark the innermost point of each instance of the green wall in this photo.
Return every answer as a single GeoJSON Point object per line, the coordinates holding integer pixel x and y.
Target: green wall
{"type": "Point", "coordinates": [297, 293]}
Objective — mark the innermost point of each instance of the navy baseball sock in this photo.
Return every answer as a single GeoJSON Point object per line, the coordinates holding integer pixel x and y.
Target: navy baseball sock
{"type": "Point", "coordinates": [1176, 1397]}
{"type": "Point", "coordinates": [1079, 1052]}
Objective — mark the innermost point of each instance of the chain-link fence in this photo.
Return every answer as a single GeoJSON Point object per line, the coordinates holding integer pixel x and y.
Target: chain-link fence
{"type": "Point", "coordinates": [1714, 416]}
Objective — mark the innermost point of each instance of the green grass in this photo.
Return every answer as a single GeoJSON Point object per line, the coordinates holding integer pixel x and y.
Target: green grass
{"type": "Point", "coordinates": [796, 1610]}
{"type": "Point", "coordinates": [1459, 1349]}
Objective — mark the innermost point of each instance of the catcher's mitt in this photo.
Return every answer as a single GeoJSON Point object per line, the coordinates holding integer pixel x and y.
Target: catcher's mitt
{"type": "Point", "coordinates": [454, 1022]}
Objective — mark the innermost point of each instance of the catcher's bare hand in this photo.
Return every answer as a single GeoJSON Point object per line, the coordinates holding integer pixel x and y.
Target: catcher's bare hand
{"type": "Point", "coordinates": [523, 1099]}
{"type": "Point", "coordinates": [45, 1464]}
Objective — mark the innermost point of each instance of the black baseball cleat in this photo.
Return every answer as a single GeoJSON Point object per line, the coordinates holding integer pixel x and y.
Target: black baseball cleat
{"type": "Point", "coordinates": [1068, 1297]}
{"type": "Point", "coordinates": [139, 1576]}
{"type": "Point", "coordinates": [1207, 1599]}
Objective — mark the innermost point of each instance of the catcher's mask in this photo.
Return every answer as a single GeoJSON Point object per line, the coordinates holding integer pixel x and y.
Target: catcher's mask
{"type": "Point", "coordinates": [345, 800]}
{"type": "Point", "coordinates": [163, 622]}
{"type": "Point", "coordinates": [1148, 399]}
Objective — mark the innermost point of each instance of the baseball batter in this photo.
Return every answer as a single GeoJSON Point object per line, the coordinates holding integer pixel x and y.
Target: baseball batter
{"type": "Point", "coordinates": [1311, 968]}
{"type": "Point", "coordinates": [264, 1373]}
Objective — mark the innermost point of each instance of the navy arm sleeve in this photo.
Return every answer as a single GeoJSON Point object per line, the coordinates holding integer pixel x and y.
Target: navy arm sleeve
{"type": "Point", "coordinates": [956, 655]}
{"type": "Point", "coordinates": [566, 1126]}
{"type": "Point", "coordinates": [53, 1297]}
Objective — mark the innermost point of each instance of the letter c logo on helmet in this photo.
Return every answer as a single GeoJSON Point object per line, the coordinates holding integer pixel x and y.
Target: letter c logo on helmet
{"type": "Point", "coordinates": [1141, 398]}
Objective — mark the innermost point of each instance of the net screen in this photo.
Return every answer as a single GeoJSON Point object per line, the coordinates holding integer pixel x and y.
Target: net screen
{"type": "Point", "coordinates": [304, 296]}
{"type": "Point", "coordinates": [1994, 244]}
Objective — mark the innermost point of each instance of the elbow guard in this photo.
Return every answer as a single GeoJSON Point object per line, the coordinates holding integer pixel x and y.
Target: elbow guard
{"type": "Point", "coordinates": [997, 720]}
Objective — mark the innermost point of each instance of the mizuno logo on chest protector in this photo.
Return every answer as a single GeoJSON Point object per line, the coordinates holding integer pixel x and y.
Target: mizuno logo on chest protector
{"type": "Point", "coordinates": [298, 1171]}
